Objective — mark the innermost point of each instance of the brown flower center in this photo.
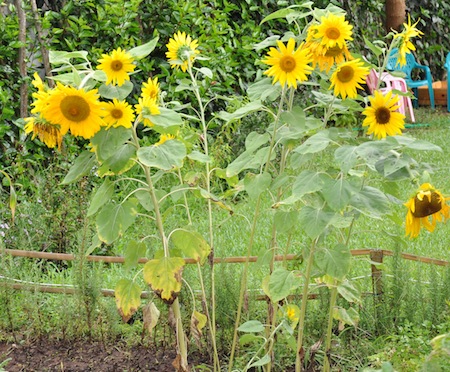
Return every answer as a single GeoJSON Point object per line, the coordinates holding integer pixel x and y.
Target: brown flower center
{"type": "Point", "coordinates": [116, 113]}
{"type": "Point", "coordinates": [345, 74]}
{"type": "Point", "coordinates": [116, 65]}
{"type": "Point", "coordinates": [427, 207]}
{"type": "Point", "coordinates": [287, 63]}
{"type": "Point", "coordinates": [382, 115]}
{"type": "Point", "coordinates": [333, 52]}
{"type": "Point", "coordinates": [75, 108]}
{"type": "Point", "coordinates": [333, 33]}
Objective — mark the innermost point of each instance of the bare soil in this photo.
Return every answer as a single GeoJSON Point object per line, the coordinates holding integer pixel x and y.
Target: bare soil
{"type": "Point", "coordinates": [49, 355]}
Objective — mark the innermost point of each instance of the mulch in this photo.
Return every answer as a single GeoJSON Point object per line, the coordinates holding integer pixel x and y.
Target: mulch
{"type": "Point", "coordinates": [45, 355]}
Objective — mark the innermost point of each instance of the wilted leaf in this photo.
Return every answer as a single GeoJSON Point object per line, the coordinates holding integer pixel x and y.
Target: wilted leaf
{"type": "Point", "coordinates": [164, 277]}
{"type": "Point", "coordinates": [198, 322]}
{"type": "Point", "coordinates": [128, 298]}
{"type": "Point", "coordinates": [150, 316]}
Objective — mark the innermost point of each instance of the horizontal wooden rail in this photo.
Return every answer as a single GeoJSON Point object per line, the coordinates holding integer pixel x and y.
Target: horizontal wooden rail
{"type": "Point", "coordinates": [217, 260]}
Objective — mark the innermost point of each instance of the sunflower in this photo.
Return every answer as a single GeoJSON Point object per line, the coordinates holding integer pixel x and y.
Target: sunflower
{"type": "Point", "coordinates": [163, 138]}
{"type": "Point", "coordinates": [46, 132]}
{"type": "Point", "coordinates": [118, 113]}
{"type": "Point", "coordinates": [425, 204]}
{"type": "Point", "coordinates": [288, 65]}
{"type": "Point", "coordinates": [405, 44]}
{"type": "Point", "coordinates": [333, 30]}
{"type": "Point", "coordinates": [151, 89]}
{"type": "Point", "coordinates": [116, 66]}
{"type": "Point", "coordinates": [381, 117]}
{"type": "Point", "coordinates": [74, 109]}
{"type": "Point", "coordinates": [37, 82]}
{"type": "Point", "coordinates": [181, 50]}
{"type": "Point", "coordinates": [348, 77]}
{"type": "Point", "coordinates": [146, 106]}
{"type": "Point", "coordinates": [291, 313]}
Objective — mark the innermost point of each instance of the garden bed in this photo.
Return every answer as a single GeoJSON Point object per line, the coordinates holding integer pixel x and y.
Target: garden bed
{"type": "Point", "coordinates": [51, 355]}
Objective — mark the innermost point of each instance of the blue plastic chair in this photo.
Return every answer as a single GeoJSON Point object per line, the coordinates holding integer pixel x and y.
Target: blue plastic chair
{"type": "Point", "coordinates": [407, 69]}
{"type": "Point", "coordinates": [447, 67]}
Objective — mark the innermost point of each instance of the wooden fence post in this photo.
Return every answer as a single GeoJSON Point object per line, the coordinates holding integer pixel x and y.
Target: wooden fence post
{"type": "Point", "coordinates": [376, 256]}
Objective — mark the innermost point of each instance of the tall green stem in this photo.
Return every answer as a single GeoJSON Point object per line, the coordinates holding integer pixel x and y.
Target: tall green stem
{"type": "Point", "coordinates": [333, 297]}
{"type": "Point", "coordinates": [181, 338]}
{"type": "Point", "coordinates": [301, 322]}
{"type": "Point", "coordinates": [212, 323]}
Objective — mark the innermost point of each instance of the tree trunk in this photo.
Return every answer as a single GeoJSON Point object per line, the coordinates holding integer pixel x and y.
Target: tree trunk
{"type": "Point", "coordinates": [395, 14]}
{"type": "Point", "coordinates": [22, 56]}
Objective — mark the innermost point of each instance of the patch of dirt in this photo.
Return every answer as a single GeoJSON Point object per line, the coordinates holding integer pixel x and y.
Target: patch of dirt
{"type": "Point", "coordinates": [47, 355]}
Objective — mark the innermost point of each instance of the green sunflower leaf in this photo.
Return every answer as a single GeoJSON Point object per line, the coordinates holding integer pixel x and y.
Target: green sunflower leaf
{"type": "Point", "coordinates": [166, 156]}
{"type": "Point", "coordinates": [371, 202]}
{"type": "Point", "coordinates": [255, 184]}
{"type": "Point", "coordinates": [337, 193]}
{"type": "Point", "coordinates": [281, 283]}
{"type": "Point", "coordinates": [121, 161]}
{"type": "Point", "coordinates": [107, 142]}
{"type": "Point", "coordinates": [143, 50]}
{"type": "Point", "coordinates": [114, 91]}
{"type": "Point", "coordinates": [334, 261]}
{"type": "Point", "coordinates": [82, 165]}
{"type": "Point", "coordinates": [314, 221]}
{"type": "Point", "coordinates": [101, 196]}
{"type": "Point", "coordinates": [133, 252]}
{"type": "Point", "coordinates": [114, 219]}
{"type": "Point", "coordinates": [307, 182]}
{"type": "Point", "coordinates": [191, 244]}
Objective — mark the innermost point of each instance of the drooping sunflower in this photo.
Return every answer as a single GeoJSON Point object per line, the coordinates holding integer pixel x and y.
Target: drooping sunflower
{"type": "Point", "coordinates": [182, 50]}
{"type": "Point", "coordinates": [381, 116]}
{"type": "Point", "coordinates": [333, 30]}
{"type": "Point", "coordinates": [116, 66]}
{"type": "Point", "coordinates": [118, 113]}
{"type": "Point", "coordinates": [427, 203]}
{"type": "Point", "coordinates": [405, 45]}
{"type": "Point", "coordinates": [150, 89]}
{"type": "Point", "coordinates": [348, 77]}
{"type": "Point", "coordinates": [74, 109]}
{"type": "Point", "coordinates": [45, 131]}
{"type": "Point", "coordinates": [146, 106]}
{"type": "Point", "coordinates": [288, 65]}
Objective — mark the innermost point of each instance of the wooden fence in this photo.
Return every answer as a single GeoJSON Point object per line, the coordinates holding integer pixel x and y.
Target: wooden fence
{"type": "Point", "coordinates": [376, 256]}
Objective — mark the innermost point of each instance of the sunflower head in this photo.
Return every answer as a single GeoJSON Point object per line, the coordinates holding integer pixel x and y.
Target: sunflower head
{"type": "Point", "coordinates": [348, 77]}
{"type": "Point", "coordinates": [74, 109]}
{"type": "Point", "coordinates": [425, 208]}
{"type": "Point", "coordinates": [117, 113]}
{"type": "Point", "coordinates": [45, 131]}
{"type": "Point", "coordinates": [150, 89]}
{"type": "Point", "coordinates": [287, 64]}
{"type": "Point", "coordinates": [146, 106]}
{"type": "Point", "coordinates": [333, 30]}
{"type": "Point", "coordinates": [164, 138]}
{"type": "Point", "coordinates": [182, 50]}
{"type": "Point", "coordinates": [382, 117]}
{"type": "Point", "coordinates": [116, 66]}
